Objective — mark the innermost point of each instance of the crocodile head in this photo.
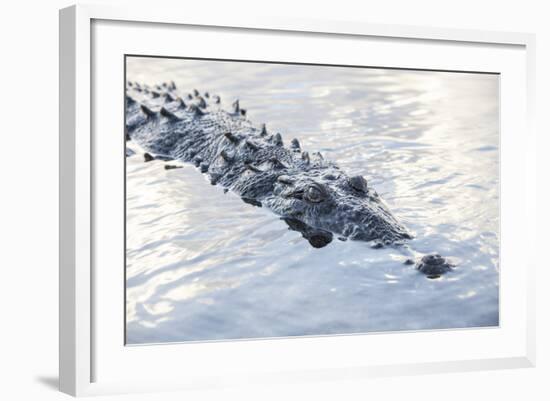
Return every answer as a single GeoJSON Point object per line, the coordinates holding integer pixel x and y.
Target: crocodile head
{"type": "Point", "coordinates": [337, 203]}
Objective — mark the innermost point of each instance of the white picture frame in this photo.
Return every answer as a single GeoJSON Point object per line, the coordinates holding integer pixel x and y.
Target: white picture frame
{"type": "Point", "coordinates": [93, 355]}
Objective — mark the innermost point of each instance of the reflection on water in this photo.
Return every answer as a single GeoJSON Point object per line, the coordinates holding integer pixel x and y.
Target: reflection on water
{"type": "Point", "coordinates": [317, 238]}
{"type": "Point", "coordinates": [203, 265]}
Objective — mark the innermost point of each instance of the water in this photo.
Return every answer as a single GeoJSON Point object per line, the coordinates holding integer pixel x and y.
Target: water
{"type": "Point", "coordinates": [203, 265]}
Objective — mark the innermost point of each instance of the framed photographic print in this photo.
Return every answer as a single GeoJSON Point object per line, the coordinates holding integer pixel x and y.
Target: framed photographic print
{"type": "Point", "coordinates": [316, 201]}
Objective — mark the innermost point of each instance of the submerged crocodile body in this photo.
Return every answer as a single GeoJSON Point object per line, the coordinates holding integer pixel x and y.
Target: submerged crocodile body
{"type": "Point", "coordinates": [311, 194]}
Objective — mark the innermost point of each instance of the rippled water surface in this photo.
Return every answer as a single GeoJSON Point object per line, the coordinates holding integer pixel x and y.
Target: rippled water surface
{"type": "Point", "coordinates": [203, 265]}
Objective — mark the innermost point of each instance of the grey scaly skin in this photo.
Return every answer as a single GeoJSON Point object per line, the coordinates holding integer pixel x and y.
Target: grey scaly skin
{"type": "Point", "coordinates": [311, 194]}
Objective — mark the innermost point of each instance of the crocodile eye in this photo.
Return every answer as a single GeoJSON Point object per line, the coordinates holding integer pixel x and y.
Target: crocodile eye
{"type": "Point", "coordinates": [314, 195]}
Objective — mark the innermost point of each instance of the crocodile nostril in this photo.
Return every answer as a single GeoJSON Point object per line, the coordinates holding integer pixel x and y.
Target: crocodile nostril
{"type": "Point", "coordinates": [358, 183]}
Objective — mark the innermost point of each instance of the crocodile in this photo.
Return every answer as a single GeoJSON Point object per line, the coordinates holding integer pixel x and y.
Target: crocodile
{"type": "Point", "coordinates": [311, 194]}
